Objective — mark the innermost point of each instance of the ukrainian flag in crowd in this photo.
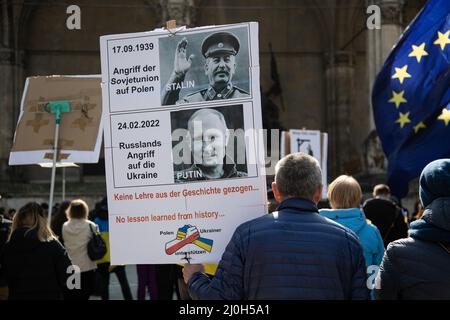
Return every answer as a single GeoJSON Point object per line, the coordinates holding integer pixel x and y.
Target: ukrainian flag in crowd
{"type": "Point", "coordinates": [411, 97]}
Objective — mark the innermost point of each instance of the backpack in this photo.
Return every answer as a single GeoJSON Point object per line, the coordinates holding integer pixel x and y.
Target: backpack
{"type": "Point", "coordinates": [387, 216]}
{"type": "Point", "coordinates": [96, 246]}
{"type": "Point", "coordinates": [398, 211]}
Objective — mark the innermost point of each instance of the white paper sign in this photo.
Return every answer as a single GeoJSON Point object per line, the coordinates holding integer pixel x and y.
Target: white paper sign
{"type": "Point", "coordinates": [315, 144]}
{"type": "Point", "coordinates": [306, 141]}
{"type": "Point", "coordinates": [181, 149]}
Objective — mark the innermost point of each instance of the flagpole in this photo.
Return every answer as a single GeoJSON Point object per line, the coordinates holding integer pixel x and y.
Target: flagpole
{"type": "Point", "coordinates": [56, 107]}
{"type": "Point", "coordinates": [52, 183]}
{"type": "Point", "coordinates": [63, 183]}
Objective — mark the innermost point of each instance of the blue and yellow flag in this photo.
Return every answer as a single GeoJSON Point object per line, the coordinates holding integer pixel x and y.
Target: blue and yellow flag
{"type": "Point", "coordinates": [411, 97]}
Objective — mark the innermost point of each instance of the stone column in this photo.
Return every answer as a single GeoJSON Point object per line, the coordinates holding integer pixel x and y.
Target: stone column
{"type": "Point", "coordinates": [6, 108]}
{"type": "Point", "coordinates": [380, 41]}
{"type": "Point", "coordinates": [183, 11]}
{"type": "Point", "coordinates": [340, 72]}
{"type": "Point", "coordinates": [7, 57]}
{"type": "Point", "coordinates": [11, 84]}
{"type": "Point", "coordinates": [391, 25]}
{"type": "Point", "coordinates": [379, 45]}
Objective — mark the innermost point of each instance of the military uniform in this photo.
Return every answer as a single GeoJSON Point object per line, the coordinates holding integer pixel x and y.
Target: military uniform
{"type": "Point", "coordinates": [215, 44]}
{"type": "Point", "coordinates": [230, 92]}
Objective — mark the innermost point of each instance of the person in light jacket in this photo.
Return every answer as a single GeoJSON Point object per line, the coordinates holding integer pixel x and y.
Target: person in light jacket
{"type": "Point", "coordinates": [77, 232]}
{"type": "Point", "coordinates": [345, 194]}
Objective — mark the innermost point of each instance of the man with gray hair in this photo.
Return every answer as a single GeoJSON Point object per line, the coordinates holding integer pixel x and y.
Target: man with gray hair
{"type": "Point", "coordinates": [292, 253]}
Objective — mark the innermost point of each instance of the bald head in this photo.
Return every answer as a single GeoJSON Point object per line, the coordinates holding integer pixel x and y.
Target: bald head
{"type": "Point", "coordinates": [207, 116]}
{"type": "Point", "coordinates": [209, 134]}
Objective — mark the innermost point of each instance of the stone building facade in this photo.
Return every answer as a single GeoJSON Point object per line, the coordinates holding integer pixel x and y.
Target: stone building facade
{"type": "Point", "coordinates": [327, 60]}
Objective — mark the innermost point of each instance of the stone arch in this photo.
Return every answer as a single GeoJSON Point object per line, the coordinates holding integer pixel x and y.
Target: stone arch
{"type": "Point", "coordinates": [410, 9]}
{"type": "Point", "coordinates": [22, 26]}
{"type": "Point", "coordinates": [346, 31]}
{"type": "Point", "coordinates": [6, 24]}
{"type": "Point", "coordinates": [323, 21]}
{"type": "Point", "coordinates": [298, 49]}
{"type": "Point", "coordinates": [50, 48]}
{"type": "Point", "coordinates": [49, 43]}
{"type": "Point", "coordinates": [358, 27]}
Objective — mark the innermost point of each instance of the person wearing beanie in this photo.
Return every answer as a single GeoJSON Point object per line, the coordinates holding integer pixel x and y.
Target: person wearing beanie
{"type": "Point", "coordinates": [418, 267]}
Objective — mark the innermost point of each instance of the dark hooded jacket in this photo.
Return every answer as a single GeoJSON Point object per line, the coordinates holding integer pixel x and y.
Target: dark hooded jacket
{"type": "Point", "coordinates": [418, 267]}
{"type": "Point", "coordinates": [5, 226]}
{"type": "Point", "coordinates": [34, 270]}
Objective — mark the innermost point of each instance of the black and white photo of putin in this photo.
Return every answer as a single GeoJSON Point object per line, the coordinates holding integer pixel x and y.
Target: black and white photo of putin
{"type": "Point", "coordinates": [219, 50]}
{"type": "Point", "coordinates": [209, 136]}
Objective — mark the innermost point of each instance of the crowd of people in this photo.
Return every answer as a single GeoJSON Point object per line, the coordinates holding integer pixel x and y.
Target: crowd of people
{"type": "Point", "coordinates": [350, 250]}
{"type": "Point", "coordinates": [301, 252]}
{"type": "Point", "coordinates": [37, 260]}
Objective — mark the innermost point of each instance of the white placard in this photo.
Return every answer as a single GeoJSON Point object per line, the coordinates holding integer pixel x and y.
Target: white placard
{"type": "Point", "coordinates": [306, 141]}
{"type": "Point", "coordinates": [314, 143]}
{"type": "Point", "coordinates": [162, 209]}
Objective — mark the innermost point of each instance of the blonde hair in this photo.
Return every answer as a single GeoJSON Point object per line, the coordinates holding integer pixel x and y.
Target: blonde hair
{"type": "Point", "coordinates": [33, 217]}
{"type": "Point", "coordinates": [344, 192]}
{"type": "Point", "coordinates": [78, 209]}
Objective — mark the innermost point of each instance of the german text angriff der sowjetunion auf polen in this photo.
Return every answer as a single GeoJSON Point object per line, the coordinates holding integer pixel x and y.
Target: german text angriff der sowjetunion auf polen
{"type": "Point", "coordinates": [128, 79]}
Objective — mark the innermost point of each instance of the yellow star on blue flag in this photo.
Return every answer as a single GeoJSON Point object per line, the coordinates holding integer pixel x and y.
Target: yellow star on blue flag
{"type": "Point", "coordinates": [418, 52]}
{"type": "Point", "coordinates": [398, 98]}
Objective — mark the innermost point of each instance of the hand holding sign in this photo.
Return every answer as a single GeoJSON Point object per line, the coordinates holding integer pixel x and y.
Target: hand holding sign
{"type": "Point", "coordinates": [190, 269]}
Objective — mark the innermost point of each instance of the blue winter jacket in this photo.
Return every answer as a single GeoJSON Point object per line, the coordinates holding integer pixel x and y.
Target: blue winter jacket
{"type": "Point", "coordinates": [368, 234]}
{"type": "Point", "coordinates": [293, 253]}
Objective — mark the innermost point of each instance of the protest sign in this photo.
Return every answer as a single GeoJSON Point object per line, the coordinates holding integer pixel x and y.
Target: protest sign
{"type": "Point", "coordinates": [80, 129]}
{"type": "Point", "coordinates": [311, 142]}
{"type": "Point", "coordinates": [182, 141]}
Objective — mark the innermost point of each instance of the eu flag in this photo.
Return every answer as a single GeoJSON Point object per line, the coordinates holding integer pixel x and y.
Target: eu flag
{"type": "Point", "coordinates": [411, 97]}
